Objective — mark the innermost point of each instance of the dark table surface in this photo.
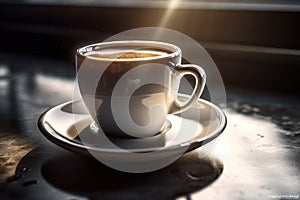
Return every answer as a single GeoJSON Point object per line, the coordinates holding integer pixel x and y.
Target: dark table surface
{"type": "Point", "coordinates": [257, 156]}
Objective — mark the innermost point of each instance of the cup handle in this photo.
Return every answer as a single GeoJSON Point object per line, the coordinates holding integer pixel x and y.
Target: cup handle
{"type": "Point", "coordinates": [200, 78]}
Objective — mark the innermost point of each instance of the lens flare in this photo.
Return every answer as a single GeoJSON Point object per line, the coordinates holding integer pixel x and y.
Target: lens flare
{"type": "Point", "coordinates": [171, 6]}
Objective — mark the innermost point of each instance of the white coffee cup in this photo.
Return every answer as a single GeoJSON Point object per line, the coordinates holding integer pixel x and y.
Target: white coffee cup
{"type": "Point", "coordinates": [129, 87]}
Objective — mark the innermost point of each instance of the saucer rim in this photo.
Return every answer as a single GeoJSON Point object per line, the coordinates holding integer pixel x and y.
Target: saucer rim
{"type": "Point", "coordinates": [70, 145]}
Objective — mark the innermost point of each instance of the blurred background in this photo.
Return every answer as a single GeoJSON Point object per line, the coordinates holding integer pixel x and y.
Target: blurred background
{"type": "Point", "coordinates": [255, 44]}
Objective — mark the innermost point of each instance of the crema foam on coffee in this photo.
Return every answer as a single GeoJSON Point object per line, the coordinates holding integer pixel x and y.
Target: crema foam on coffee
{"type": "Point", "coordinates": [126, 53]}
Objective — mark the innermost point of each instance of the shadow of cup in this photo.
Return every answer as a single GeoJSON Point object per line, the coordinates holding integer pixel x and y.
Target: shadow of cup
{"type": "Point", "coordinates": [87, 177]}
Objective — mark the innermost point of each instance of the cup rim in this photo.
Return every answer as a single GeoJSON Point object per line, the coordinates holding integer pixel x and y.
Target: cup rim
{"type": "Point", "coordinates": [170, 47]}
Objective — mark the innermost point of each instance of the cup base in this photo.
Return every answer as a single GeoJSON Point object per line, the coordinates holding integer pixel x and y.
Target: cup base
{"type": "Point", "coordinates": [167, 126]}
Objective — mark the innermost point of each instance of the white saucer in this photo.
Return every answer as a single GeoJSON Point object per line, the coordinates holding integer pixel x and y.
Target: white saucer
{"type": "Point", "coordinates": [202, 123]}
